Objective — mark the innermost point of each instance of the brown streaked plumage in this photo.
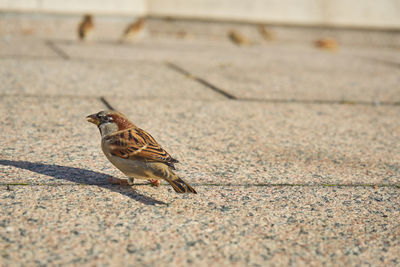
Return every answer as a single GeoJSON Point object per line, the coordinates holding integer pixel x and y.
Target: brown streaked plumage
{"type": "Point", "coordinates": [135, 152]}
{"type": "Point", "coordinates": [85, 27]}
{"type": "Point", "coordinates": [133, 29]}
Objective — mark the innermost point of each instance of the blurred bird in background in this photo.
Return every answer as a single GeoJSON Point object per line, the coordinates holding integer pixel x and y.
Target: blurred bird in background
{"type": "Point", "coordinates": [85, 28]}
{"type": "Point", "coordinates": [266, 33]}
{"type": "Point", "coordinates": [327, 43]}
{"type": "Point", "coordinates": [134, 30]}
{"type": "Point", "coordinates": [238, 38]}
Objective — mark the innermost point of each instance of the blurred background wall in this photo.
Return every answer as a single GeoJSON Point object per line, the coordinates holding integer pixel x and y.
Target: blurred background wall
{"type": "Point", "coordinates": [351, 13]}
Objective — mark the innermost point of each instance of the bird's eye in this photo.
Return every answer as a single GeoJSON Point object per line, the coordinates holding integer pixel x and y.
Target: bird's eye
{"type": "Point", "coordinates": [107, 118]}
{"type": "Point", "coordinates": [104, 117]}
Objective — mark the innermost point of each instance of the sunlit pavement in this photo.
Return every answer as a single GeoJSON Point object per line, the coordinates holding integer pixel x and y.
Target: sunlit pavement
{"type": "Point", "coordinates": [294, 150]}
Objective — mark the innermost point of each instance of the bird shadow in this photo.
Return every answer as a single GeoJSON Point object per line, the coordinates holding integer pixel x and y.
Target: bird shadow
{"type": "Point", "coordinates": [80, 176]}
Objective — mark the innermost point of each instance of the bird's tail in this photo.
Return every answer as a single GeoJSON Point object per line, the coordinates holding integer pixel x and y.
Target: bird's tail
{"type": "Point", "coordinates": [165, 172]}
{"type": "Point", "coordinates": [179, 185]}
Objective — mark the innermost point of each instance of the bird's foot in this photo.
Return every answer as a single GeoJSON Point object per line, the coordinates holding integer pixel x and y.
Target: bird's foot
{"type": "Point", "coordinates": [154, 182]}
{"type": "Point", "coordinates": [117, 181]}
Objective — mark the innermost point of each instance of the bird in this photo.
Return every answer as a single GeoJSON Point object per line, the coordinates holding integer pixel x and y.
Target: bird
{"type": "Point", "coordinates": [86, 27]}
{"type": "Point", "coordinates": [266, 33]}
{"type": "Point", "coordinates": [135, 152]}
{"type": "Point", "coordinates": [134, 30]}
{"type": "Point", "coordinates": [238, 38]}
{"type": "Point", "coordinates": [326, 43]}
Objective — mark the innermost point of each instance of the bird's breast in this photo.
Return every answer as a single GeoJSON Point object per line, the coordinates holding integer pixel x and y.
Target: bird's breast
{"type": "Point", "coordinates": [130, 167]}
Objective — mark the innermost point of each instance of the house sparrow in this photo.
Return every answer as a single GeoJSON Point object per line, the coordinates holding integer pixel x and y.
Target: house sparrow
{"type": "Point", "coordinates": [238, 38]}
{"type": "Point", "coordinates": [135, 152]}
{"type": "Point", "coordinates": [266, 33]}
{"type": "Point", "coordinates": [86, 27]}
{"type": "Point", "coordinates": [326, 43]}
{"type": "Point", "coordinates": [134, 30]}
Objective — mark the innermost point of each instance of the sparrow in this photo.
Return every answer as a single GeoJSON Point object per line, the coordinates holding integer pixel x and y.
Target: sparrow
{"type": "Point", "coordinates": [86, 27]}
{"type": "Point", "coordinates": [326, 43]}
{"type": "Point", "coordinates": [238, 38]}
{"type": "Point", "coordinates": [135, 152]}
{"type": "Point", "coordinates": [266, 33]}
{"type": "Point", "coordinates": [133, 30]}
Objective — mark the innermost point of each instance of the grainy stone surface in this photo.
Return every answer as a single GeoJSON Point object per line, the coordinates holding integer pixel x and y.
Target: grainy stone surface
{"type": "Point", "coordinates": [250, 226]}
{"type": "Point", "coordinates": [303, 74]}
{"type": "Point", "coordinates": [54, 144]}
{"type": "Point", "coordinates": [255, 142]}
{"type": "Point", "coordinates": [273, 72]}
{"type": "Point", "coordinates": [221, 142]}
{"type": "Point", "coordinates": [288, 178]}
{"type": "Point", "coordinates": [95, 79]}
{"type": "Point", "coordinates": [147, 49]}
{"type": "Point", "coordinates": [16, 47]}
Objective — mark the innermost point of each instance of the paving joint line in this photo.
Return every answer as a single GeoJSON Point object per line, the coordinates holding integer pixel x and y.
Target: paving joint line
{"type": "Point", "coordinates": [266, 101]}
{"type": "Point", "coordinates": [29, 57]}
{"type": "Point", "coordinates": [63, 55]}
{"type": "Point", "coordinates": [215, 185]}
{"type": "Point", "coordinates": [117, 96]}
{"type": "Point", "coordinates": [278, 101]}
{"type": "Point", "coordinates": [106, 103]}
{"type": "Point", "coordinates": [200, 80]}
{"type": "Point", "coordinates": [322, 102]}
{"type": "Point", "coordinates": [57, 50]}
{"type": "Point", "coordinates": [49, 96]}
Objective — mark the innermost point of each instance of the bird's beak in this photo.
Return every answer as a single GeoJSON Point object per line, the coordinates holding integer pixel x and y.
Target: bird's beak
{"type": "Point", "coordinates": [93, 119]}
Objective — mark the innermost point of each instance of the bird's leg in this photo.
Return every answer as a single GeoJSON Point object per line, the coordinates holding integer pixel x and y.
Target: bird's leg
{"type": "Point", "coordinates": [113, 180]}
{"type": "Point", "coordinates": [154, 182]}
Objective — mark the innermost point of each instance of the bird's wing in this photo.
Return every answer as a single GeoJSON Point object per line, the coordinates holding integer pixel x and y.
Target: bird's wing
{"type": "Point", "coordinates": [136, 143]}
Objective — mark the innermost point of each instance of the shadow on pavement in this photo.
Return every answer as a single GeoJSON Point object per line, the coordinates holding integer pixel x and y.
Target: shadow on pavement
{"type": "Point", "coordinates": [80, 176]}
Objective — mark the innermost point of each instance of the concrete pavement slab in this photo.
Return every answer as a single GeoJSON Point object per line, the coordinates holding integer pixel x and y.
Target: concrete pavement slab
{"type": "Point", "coordinates": [302, 73]}
{"type": "Point", "coordinates": [280, 183]}
{"type": "Point", "coordinates": [253, 142]}
{"type": "Point", "coordinates": [50, 131]}
{"type": "Point", "coordinates": [95, 79]}
{"type": "Point", "coordinates": [252, 226]}
{"type": "Point", "coordinates": [149, 50]}
{"type": "Point", "coordinates": [284, 72]}
{"type": "Point", "coordinates": [280, 55]}
{"type": "Point", "coordinates": [220, 142]}
{"type": "Point", "coordinates": [297, 84]}
{"type": "Point", "coordinates": [24, 47]}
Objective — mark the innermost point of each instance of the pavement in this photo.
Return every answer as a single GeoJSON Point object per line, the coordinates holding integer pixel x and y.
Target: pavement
{"type": "Point", "coordinates": [294, 150]}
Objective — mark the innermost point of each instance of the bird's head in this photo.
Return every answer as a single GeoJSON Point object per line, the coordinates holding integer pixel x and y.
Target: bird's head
{"type": "Point", "coordinates": [109, 121]}
{"type": "Point", "coordinates": [88, 18]}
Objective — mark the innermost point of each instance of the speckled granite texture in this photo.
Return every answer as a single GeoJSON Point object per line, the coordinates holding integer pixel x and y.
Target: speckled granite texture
{"type": "Point", "coordinates": [253, 226]}
{"type": "Point", "coordinates": [294, 151]}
